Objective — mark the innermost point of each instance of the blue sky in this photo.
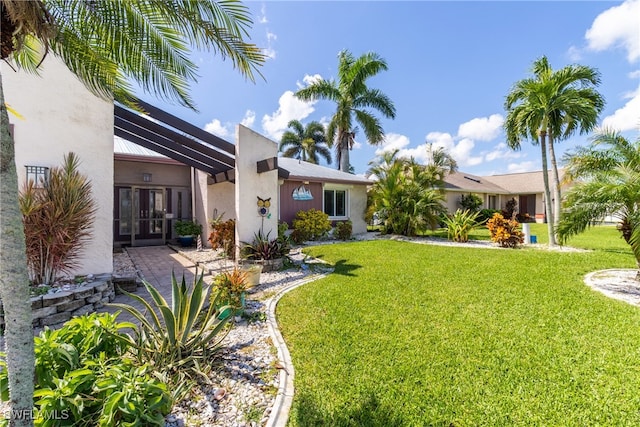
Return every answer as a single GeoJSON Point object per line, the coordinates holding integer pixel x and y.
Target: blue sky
{"type": "Point", "coordinates": [450, 66]}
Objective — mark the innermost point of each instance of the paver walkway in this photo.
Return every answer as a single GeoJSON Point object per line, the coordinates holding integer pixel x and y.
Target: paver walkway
{"type": "Point", "coordinates": [155, 264]}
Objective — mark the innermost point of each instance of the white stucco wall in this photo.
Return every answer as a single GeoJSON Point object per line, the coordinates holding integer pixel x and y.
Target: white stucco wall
{"type": "Point", "coordinates": [252, 147]}
{"type": "Point", "coordinates": [61, 115]}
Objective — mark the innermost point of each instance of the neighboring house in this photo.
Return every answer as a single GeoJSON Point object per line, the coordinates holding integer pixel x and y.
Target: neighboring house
{"type": "Point", "coordinates": [527, 188]}
{"type": "Point", "coordinates": [340, 195]}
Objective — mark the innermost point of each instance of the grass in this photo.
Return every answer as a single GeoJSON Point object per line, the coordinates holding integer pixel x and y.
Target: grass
{"type": "Point", "coordinates": [406, 334]}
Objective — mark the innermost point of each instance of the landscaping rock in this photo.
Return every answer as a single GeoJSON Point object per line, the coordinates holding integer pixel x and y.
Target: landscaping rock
{"type": "Point", "coordinates": [54, 319]}
{"type": "Point", "coordinates": [57, 298]}
{"type": "Point", "coordinates": [83, 291]}
{"type": "Point", "coordinates": [89, 308]}
{"type": "Point", "coordinates": [71, 305]}
{"type": "Point", "coordinates": [36, 302]}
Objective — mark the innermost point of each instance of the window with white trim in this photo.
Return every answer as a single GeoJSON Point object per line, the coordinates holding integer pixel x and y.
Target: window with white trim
{"type": "Point", "coordinates": [335, 203]}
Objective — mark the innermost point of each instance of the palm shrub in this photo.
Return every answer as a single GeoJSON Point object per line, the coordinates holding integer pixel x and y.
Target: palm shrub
{"type": "Point", "coordinates": [178, 339]}
{"type": "Point", "coordinates": [606, 178]}
{"type": "Point", "coordinates": [460, 224]}
{"type": "Point", "coordinates": [310, 225]}
{"type": "Point", "coordinates": [505, 232]}
{"type": "Point", "coordinates": [57, 220]}
{"type": "Point", "coordinates": [84, 374]}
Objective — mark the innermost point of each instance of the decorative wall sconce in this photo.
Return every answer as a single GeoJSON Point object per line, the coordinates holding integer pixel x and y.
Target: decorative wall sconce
{"type": "Point", "coordinates": [38, 174]}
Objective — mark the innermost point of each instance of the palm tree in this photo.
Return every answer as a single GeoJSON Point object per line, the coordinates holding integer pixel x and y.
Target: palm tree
{"type": "Point", "coordinates": [552, 104]}
{"type": "Point", "coordinates": [353, 100]}
{"type": "Point", "coordinates": [305, 143]}
{"type": "Point", "coordinates": [607, 175]}
{"type": "Point", "coordinates": [107, 45]}
{"type": "Point", "coordinates": [403, 194]}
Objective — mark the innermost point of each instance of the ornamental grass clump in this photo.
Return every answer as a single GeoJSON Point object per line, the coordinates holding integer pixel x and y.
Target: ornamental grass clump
{"type": "Point", "coordinates": [58, 215]}
{"type": "Point", "coordinates": [505, 232]}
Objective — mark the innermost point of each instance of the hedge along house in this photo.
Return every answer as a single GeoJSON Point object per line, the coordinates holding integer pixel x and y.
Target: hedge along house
{"type": "Point", "coordinates": [526, 188]}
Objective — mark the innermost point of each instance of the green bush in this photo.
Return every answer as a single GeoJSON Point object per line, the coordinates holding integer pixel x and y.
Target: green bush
{"type": "Point", "coordinates": [486, 215]}
{"type": "Point", "coordinates": [343, 230]}
{"type": "Point", "coordinates": [188, 228]}
{"type": "Point", "coordinates": [310, 225]}
{"type": "Point", "coordinates": [178, 340]}
{"type": "Point", "coordinates": [85, 376]}
{"type": "Point", "coordinates": [472, 202]}
{"type": "Point", "coordinates": [460, 224]}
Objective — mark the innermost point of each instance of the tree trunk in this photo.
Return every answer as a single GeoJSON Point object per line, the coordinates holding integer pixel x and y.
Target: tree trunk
{"type": "Point", "coordinates": [557, 197]}
{"type": "Point", "coordinates": [344, 158]}
{"type": "Point", "coordinates": [547, 192]}
{"type": "Point", "coordinates": [14, 282]}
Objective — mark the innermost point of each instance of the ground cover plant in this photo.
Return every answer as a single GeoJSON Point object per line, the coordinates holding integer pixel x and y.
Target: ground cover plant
{"type": "Point", "coordinates": [408, 334]}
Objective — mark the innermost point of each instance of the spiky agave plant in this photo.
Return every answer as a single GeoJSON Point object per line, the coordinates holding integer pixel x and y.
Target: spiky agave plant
{"type": "Point", "coordinates": [178, 339]}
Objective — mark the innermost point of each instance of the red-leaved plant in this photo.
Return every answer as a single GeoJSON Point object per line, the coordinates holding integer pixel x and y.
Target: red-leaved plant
{"type": "Point", "coordinates": [57, 220]}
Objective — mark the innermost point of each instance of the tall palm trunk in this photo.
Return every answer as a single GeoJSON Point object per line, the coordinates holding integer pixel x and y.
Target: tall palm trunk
{"type": "Point", "coordinates": [557, 196]}
{"type": "Point", "coordinates": [547, 192]}
{"type": "Point", "coordinates": [343, 162]}
{"type": "Point", "coordinates": [14, 281]}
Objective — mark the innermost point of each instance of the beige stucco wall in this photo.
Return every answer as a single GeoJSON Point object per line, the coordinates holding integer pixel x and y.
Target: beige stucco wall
{"type": "Point", "coordinates": [357, 207]}
{"type": "Point", "coordinates": [61, 115]}
{"type": "Point", "coordinates": [130, 173]}
{"type": "Point", "coordinates": [252, 147]}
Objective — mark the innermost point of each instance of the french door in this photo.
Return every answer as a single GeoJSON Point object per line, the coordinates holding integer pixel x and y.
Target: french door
{"type": "Point", "coordinates": [140, 215]}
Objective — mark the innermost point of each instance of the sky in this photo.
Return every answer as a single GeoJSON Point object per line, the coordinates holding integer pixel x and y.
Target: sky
{"type": "Point", "coordinates": [450, 66]}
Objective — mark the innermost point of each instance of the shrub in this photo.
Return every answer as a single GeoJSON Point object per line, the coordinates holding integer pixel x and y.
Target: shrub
{"type": "Point", "coordinates": [343, 230]}
{"type": "Point", "coordinates": [57, 220]}
{"type": "Point", "coordinates": [188, 228]}
{"type": "Point", "coordinates": [460, 224]}
{"type": "Point", "coordinates": [505, 232]}
{"type": "Point", "coordinates": [230, 286]}
{"type": "Point", "coordinates": [310, 225]}
{"type": "Point", "coordinates": [178, 340]}
{"type": "Point", "coordinates": [486, 215]}
{"type": "Point", "coordinates": [510, 208]}
{"type": "Point", "coordinates": [263, 248]}
{"type": "Point", "coordinates": [84, 376]}
{"type": "Point", "coordinates": [472, 202]}
{"type": "Point", "coordinates": [223, 236]}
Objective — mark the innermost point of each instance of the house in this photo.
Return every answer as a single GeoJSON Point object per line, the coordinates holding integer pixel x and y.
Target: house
{"type": "Point", "coordinates": [527, 188]}
{"type": "Point", "coordinates": [173, 171]}
{"type": "Point", "coordinates": [165, 190]}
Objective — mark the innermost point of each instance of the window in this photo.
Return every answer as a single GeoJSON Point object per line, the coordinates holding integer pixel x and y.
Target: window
{"type": "Point", "coordinates": [493, 202]}
{"type": "Point", "coordinates": [335, 203]}
{"type": "Point", "coordinates": [38, 174]}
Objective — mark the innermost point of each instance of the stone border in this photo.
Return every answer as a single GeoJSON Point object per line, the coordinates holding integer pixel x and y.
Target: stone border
{"type": "Point", "coordinates": [284, 398]}
{"type": "Point", "coordinates": [616, 283]}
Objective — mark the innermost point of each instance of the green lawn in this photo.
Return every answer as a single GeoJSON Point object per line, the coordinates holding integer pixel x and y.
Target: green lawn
{"type": "Point", "coordinates": [417, 335]}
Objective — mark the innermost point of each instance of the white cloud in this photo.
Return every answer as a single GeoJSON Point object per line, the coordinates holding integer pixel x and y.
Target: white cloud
{"type": "Point", "coordinates": [527, 166]}
{"type": "Point", "coordinates": [249, 119]}
{"type": "Point", "coordinates": [627, 117]}
{"type": "Point", "coordinates": [217, 128]}
{"type": "Point", "coordinates": [392, 141]}
{"type": "Point", "coordinates": [482, 128]}
{"type": "Point", "coordinates": [263, 14]}
{"type": "Point", "coordinates": [307, 80]}
{"type": "Point", "coordinates": [617, 27]}
{"type": "Point", "coordinates": [460, 151]}
{"type": "Point", "coordinates": [289, 108]}
{"type": "Point", "coordinates": [501, 151]}
{"type": "Point", "coordinates": [634, 74]}
{"type": "Point", "coordinates": [269, 51]}
{"type": "Point", "coordinates": [574, 53]}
